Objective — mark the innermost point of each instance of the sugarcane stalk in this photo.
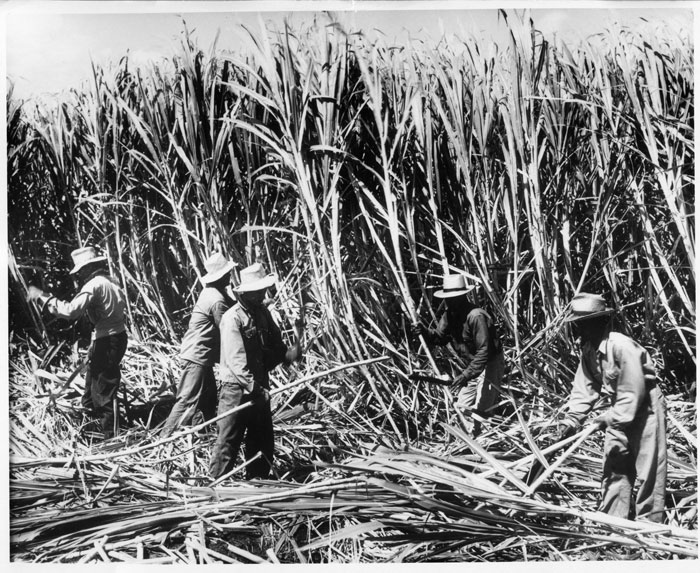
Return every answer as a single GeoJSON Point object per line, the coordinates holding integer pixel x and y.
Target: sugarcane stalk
{"type": "Point", "coordinates": [73, 375]}
{"type": "Point", "coordinates": [217, 481]}
{"type": "Point", "coordinates": [496, 464]}
{"type": "Point", "coordinates": [692, 440]}
{"type": "Point", "coordinates": [580, 438]}
{"type": "Point", "coordinates": [34, 311]}
{"type": "Point", "coordinates": [299, 325]}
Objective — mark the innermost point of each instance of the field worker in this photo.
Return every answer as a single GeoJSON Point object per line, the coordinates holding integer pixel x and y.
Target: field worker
{"type": "Point", "coordinates": [473, 335]}
{"type": "Point", "coordinates": [104, 303]}
{"type": "Point", "coordinates": [635, 425]}
{"type": "Point", "coordinates": [200, 346]}
{"type": "Point", "coordinates": [251, 346]}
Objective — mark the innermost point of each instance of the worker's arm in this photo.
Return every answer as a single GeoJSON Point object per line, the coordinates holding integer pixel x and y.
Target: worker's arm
{"type": "Point", "coordinates": [439, 335]}
{"type": "Point", "coordinates": [218, 309]}
{"type": "Point", "coordinates": [628, 359]}
{"type": "Point", "coordinates": [585, 391]}
{"type": "Point", "coordinates": [70, 310]}
{"type": "Point", "coordinates": [276, 350]}
{"type": "Point", "coordinates": [234, 361]}
{"type": "Point", "coordinates": [478, 325]}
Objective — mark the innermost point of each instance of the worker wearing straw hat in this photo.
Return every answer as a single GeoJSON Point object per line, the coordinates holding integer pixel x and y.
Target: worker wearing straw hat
{"type": "Point", "coordinates": [635, 427]}
{"type": "Point", "coordinates": [200, 346]}
{"type": "Point", "coordinates": [473, 334]}
{"type": "Point", "coordinates": [251, 346]}
{"type": "Point", "coordinates": [104, 303]}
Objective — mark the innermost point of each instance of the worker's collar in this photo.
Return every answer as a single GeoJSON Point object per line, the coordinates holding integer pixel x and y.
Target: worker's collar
{"type": "Point", "coordinates": [603, 346]}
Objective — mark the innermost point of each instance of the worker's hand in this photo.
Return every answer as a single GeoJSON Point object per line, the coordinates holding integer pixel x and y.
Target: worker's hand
{"type": "Point", "coordinates": [458, 383]}
{"type": "Point", "coordinates": [417, 329]}
{"type": "Point", "coordinates": [34, 294]}
{"type": "Point", "coordinates": [38, 297]}
{"type": "Point", "coordinates": [294, 353]}
{"type": "Point", "coordinates": [565, 430]}
{"type": "Point", "coordinates": [601, 422]}
{"type": "Point", "coordinates": [468, 425]}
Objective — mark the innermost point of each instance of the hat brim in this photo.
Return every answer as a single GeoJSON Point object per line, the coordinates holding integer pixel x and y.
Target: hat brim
{"type": "Point", "coordinates": [579, 317]}
{"type": "Point", "coordinates": [260, 284]}
{"type": "Point", "coordinates": [451, 293]}
{"type": "Point", "coordinates": [76, 268]}
{"type": "Point", "coordinates": [216, 275]}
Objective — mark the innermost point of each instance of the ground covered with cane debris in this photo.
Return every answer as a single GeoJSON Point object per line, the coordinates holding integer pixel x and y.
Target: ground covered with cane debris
{"type": "Point", "coordinates": [360, 174]}
{"type": "Point", "coordinates": [347, 490]}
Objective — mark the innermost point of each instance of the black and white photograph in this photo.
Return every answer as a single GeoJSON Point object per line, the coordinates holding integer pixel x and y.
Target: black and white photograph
{"type": "Point", "coordinates": [350, 283]}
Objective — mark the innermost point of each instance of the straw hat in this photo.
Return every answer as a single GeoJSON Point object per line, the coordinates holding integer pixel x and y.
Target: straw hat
{"type": "Point", "coordinates": [85, 256]}
{"type": "Point", "coordinates": [217, 266]}
{"type": "Point", "coordinates": [254, 278]}
{"type": "Point", "coordinates": [585, 305]}
{"type": "Point", "coordinates": [453, 285]}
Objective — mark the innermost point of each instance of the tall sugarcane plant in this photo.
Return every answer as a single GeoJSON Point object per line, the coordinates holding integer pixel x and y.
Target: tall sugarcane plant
{"type": "Point", "coordinates": [362, 173]}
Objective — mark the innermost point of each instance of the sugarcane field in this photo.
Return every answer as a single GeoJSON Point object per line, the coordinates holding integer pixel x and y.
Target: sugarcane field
{"type": "Point", "coordinates": [360, 286]}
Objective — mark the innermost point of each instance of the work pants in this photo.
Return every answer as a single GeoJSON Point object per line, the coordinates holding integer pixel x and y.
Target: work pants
{"type": "Point", "coordinates": [196, 390]}
{"type": "Point", "coordinates": [254, 423]}
{"type": "Point", "coordinates": [638, 451]}
{"type": "Point", "coordinates": [102, 379]}
{"type": "Point", "coordinates": [480, 394]}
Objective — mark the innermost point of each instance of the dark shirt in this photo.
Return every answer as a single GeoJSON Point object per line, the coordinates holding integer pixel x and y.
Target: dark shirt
{"type": "Point", "coordinates": [101, 299]}
{"type": "Point", "coordinates": [201, 342]}
{"type": "Point", "coordinates": [251, 346]}
{"type": "Point", "coordinates": [473, 334]}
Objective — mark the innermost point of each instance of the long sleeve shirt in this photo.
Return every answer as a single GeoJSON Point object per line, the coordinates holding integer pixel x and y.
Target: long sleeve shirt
{"type": "Point", "coordinates": [473, 335]}
{"type": "Point", "coordinates": [201, 342]}
{"type": "Point", "coordinates": [101, 299]}
{"type": "Point", "coordinates": [618, 367]}
{"type": "Point", "coordinates": [251, 346]}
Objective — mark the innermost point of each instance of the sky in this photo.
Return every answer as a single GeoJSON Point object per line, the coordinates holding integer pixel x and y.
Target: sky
{"type": "Point", "coordinates": [50, 45]}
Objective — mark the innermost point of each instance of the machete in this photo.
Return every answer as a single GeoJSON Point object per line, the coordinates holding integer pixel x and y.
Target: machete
{"type": "Point", "coordinates": [416, 377]}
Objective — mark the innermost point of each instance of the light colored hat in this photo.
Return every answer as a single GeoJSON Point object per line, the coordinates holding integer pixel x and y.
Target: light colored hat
{"type": "Point", "coordinates": [85, 256]}
{"type": "Point", "coordinates": [217, 266]}
{"type": "Point", "coordinates": [585, 305]}
{"type": "Point", "coordinates": [254, 278]}
{"type": "Point", "coordinates": [453, 285]}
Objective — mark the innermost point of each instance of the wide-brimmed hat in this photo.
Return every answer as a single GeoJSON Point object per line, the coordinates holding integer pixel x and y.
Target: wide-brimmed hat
{"type": "Point", "coordinates": [586, 305]}
{"type": "Point", "coordinates": [254, 278]}
{"type": "Point", "coordinates": [217, 266]}
{"type": "Point", "coordinates": [453, 285]}
{"type": "Point", "coordinates": [85, 256]}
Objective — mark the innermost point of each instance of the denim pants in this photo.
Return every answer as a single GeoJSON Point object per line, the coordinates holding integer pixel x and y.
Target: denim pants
{"type": "Point", "coordinates": [102, 378]}
{"type": "Point", "coordinates": [637, 453]}
{"type": "Point", "coordinates": [196, 390]}
{"type": "Point", "coordinates": [253, 423]}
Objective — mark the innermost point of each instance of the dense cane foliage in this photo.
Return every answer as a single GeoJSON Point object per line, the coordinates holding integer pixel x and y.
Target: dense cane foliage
{"type": "Point", "coordinates": [538, 169]}
{"type": "Point", "coordinates": [360, 174]}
